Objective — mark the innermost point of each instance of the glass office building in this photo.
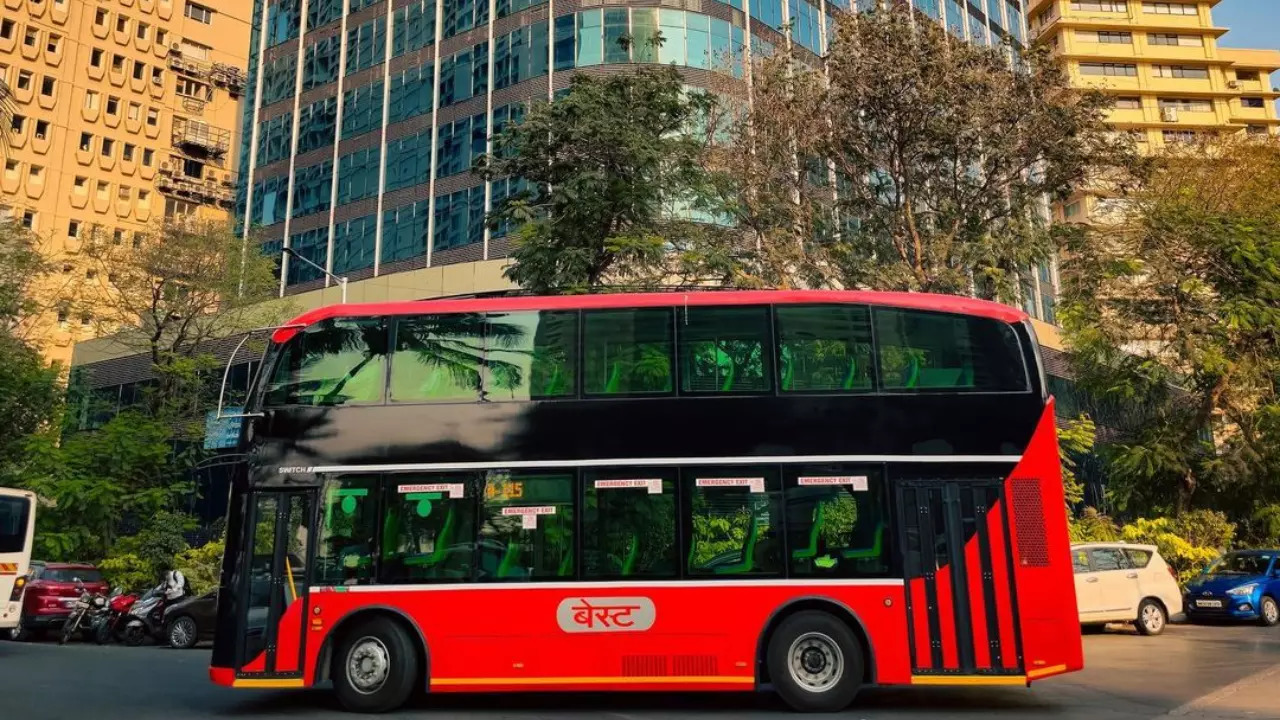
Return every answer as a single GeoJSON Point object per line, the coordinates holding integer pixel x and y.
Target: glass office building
{"type": "Point", "coordinates": [362, 119]}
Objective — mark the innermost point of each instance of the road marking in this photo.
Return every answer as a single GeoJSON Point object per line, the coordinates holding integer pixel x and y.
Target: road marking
{"type": "Point", "coordinates": [1206, 703]}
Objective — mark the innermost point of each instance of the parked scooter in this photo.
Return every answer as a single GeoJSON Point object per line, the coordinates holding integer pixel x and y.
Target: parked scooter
{"type": "Point", "coordinates": [80, 617]}
{"type": "Point", "coordinates": [109, 625]}
{"type": "Point", "coordinates": [146, 616]}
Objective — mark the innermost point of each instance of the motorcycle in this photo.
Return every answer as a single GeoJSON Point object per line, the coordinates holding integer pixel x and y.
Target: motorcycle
{"type": "Point", "coordinates": [145, 618]}
{"type": "Point", "coordinates": [109, 625]}
{"type": "Point", "coordinates": [87, 602]}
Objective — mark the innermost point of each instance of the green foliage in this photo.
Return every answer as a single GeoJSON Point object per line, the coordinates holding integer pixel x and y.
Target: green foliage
{"type": "Point", "coordinates": [202, 566]}
{"type": "Point", "coordinates": [1171, 306]}
{"type": "Point", "coordinates": [1265, 525]}
{"type": "Point", "coordinates": [1092, 526]}
{"type": "Point", "coordinates": [1075, 439]}
{"type": "Point", "coordinates": [598, 181]}
{"type": "Point", "coordinates": [128, 572]}
{"type": "Point", "coordinates": [139, 562]}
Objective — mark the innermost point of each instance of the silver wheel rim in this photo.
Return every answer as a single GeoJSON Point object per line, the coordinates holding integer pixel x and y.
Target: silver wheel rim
{"type": "Point", "coordinates": [182, 632]}
{"type": "Point", "coordinates": [1270, 610]}
{"type": "Point", "coordinates": [368, 665]}
{"type": "Point", "coordinates": [1152, 618]}
{"type": "Point", "coordinates": [815, 662]}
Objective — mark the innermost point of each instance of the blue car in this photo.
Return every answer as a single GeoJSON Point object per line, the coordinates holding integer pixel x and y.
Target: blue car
{"type": "Point", "coordinates": [1242, 585]}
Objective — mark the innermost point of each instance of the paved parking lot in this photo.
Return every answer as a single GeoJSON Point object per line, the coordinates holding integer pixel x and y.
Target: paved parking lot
{"type": "Point", "coordinates": [1217, 673]}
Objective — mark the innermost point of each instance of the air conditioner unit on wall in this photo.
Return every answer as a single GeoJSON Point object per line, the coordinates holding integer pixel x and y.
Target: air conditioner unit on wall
{"type": "Point", "coordinates": [1169, 114]}
{"type": "Point", "coordinates": [1233, 84]}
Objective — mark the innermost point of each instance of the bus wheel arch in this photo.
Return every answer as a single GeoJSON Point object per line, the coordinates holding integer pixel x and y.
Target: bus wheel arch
{"type": "Point", "coordinates": [324, 660]}
{"type": "Point", "coordinates": [828, 605]}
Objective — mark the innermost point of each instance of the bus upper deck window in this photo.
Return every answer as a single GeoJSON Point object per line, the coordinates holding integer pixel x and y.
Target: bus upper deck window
{"type": "Point", "coordinates": [824, 348]}
{"type": "Point", "coordinates": [335, 362]}
{"type": "Point", "coordinates": [926, 351]}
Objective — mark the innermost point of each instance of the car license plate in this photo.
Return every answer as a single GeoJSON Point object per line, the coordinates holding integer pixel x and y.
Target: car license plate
{"type": "Point", "coordinates": [1209, 603]}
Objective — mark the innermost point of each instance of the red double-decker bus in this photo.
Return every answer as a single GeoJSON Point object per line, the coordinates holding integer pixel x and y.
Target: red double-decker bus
{"type": "Point", "coordinates": [813, 492]}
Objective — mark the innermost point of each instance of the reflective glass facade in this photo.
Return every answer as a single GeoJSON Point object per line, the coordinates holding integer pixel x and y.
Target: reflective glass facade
{"type": "Point", "coordinates": [364, 117]}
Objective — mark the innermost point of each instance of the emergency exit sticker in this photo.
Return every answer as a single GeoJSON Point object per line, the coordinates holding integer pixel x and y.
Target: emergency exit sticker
{"type": "Point", "coordinates": [857, 482]}
{"type": "Point", "coordinates": [529, 514]}
{"type": "Point", "coordinates": [653, 485]}
{"type": "Point", "coordinates": [454, 490]}
{"type": "Point", "coordinates": [756, 484]}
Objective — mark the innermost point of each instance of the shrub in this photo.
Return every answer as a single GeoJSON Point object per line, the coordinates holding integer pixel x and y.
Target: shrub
{"type": "Point", "coordinates": [1093, 526]}
{"type": "Point", "coordinates": [202, 565]}
{"type": "Point", "coordinates": [128, 572]}
{"type": "Point", "coordinates": [1188, 543]}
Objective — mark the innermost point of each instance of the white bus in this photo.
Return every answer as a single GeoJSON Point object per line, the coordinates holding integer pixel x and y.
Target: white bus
{"type": "Point", "coordinates": [17, 529]}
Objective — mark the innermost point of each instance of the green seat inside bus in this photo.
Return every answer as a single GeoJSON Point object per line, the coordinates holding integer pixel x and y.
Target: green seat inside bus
{"type": "Point", "coordinates": [849, 382]}
{"type": "Point", "coordinates": [810, 551]}
{"type": "Point", "coordinates": [815, 532]}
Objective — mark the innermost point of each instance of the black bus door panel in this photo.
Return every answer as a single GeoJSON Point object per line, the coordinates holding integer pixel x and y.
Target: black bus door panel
{"type": "Point", "coordinates": [959, 582]}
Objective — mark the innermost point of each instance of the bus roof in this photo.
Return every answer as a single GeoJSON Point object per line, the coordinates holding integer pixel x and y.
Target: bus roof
{"type": "Point", "coordinates": [513, 303]}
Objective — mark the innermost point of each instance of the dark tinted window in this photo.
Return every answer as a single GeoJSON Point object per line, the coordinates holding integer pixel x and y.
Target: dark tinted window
{"type": "Point", "coordinates": [934, 351]}
{"type": "Point", "coordinates": [428, 528]}
{"type": "Point", "coordinates": [14, 514]}
{"type": "Point", "coordinates": [334, 362]}
{"type": "Point", "coordinates": [1138, 558]}
{"type": "Point", "coordinates": [627, 351]}
{"type": "Point", "coordinates": [348, 527]}
{"type": "Point", "coordinates": [1108, 559]}
{"type": "Point", "coordinates": [735, 521]}
{"type": "Point", "coordinates": [526, 531]}
{"type": "Point", "coordinates": [499, 356]}
{"type": "Point", "coordinates": [70, 575]}
{"type": "Point", "coordinates": [629, 524]}
{"type": "Point", "coordinates": [438, 358]}
{"type": "Point", "coordinates": [1080, 561]}
{"type": "Point", "coordinates": [836, 522]}
{"type": "Point", "coordinates": [531, 355]}
{"type": "Point", "coordinates": [724, 350]}
{"type": "Point", "coordinates": [824, 348]}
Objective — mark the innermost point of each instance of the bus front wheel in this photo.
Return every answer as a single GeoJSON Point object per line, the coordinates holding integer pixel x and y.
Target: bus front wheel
{"type": "Point", "coordinates": [375, 667]}
{"type": "Point", "coordinates": [815, 662]}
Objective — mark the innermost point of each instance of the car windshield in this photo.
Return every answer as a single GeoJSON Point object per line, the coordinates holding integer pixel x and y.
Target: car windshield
{"type": "Point", "coordinates": [1241, 564]}
{"type": "Point", "coordinates": [70, 575]}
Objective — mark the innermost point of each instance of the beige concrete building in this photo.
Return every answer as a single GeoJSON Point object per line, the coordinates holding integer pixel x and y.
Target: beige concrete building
{"type": "Point", "coordinates": [125, 111]}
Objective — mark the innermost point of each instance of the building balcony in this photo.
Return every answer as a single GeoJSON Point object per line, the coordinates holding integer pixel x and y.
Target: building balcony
{"type": "Point", "coordinates": [204, 191]}
{"type": "Point", "coordinates": [201, 139]}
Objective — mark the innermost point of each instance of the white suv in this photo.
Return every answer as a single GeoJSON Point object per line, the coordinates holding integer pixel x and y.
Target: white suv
{"type": "Point", "coordinates": [1118, 582]}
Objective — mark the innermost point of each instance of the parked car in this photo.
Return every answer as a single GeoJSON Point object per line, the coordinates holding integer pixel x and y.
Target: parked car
{"type": "Point", "coordinates": [1243, 585]}
{"type": "Point", "coordinates": [190, 620]}
{"type": "Point", "coordinates": [1119, 582]}
{"type": "Point", "coordinates": [52, 594]}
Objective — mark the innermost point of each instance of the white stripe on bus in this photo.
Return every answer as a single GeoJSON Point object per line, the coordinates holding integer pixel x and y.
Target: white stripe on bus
{"type": "Point", "coordinates": [618, 585]}
{"type": "Point", "coordinates": [650, 462]}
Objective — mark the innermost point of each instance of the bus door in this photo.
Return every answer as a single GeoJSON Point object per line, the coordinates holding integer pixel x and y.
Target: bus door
{"type": "Point", "coordinates": [959, 577]}
{"type": "Point", "coordinates": [274, 586]}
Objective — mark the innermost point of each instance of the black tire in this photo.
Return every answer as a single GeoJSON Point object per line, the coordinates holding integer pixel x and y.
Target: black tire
{"type": "Point", "coordinates": [1269, 611]}
{"type": "Point", "coordinates": [102, 632]}
{"type": "Point", "coordinates": [134, 635]}
{"type": "Point", "coordinates": [21, 633]}
{"type": "Point", "coordinates": [68, 629]}
{"type": "Point", "coordinates": [819, 646]}
{"type": "Point", "coordinates": [370, 641]}
{"type": "Point", "coordinates": [181, 632]}
{"type": "Point", "coordinates": [1152, 618]}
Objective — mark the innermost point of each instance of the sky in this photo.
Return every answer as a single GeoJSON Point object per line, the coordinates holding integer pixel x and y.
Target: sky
{"type": "Point", "coordinates": [1253, 24]}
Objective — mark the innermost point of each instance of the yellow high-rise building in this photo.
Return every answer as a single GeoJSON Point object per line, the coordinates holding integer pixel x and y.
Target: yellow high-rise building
{"type": "Point", "coordinates": [124, 112]}
{"type": "Point", "coordinates": [1162, 63]}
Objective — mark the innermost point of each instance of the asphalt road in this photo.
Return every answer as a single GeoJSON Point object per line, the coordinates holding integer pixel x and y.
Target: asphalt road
{"type": "Point", "coordinates": [1127, 677]}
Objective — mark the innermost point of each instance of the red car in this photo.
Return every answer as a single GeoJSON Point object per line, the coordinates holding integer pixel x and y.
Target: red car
{"type": "Point", "coordinates": [51, 594]}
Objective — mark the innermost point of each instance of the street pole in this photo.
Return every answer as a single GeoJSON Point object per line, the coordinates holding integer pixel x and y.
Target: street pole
{"type": "Point", "coordinates": [342, 280]}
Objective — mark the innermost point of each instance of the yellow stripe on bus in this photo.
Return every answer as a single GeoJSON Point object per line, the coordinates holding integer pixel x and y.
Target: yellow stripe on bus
{"type": "Point", "coordinates": [638, 680]}
{"type": "Point", "coordinates": [267, 683]}
{"type": "Point", "coordinates": [968, 680]}
{"type": "Point", "coordinates": [1041, 672]}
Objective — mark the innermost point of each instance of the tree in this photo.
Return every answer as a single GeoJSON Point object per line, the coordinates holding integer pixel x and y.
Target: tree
{"type": "Point", "coordinates": [1171, 305]}
{"type": "Point", "coordinates": [600, 171]}
{"type": "Point", "coordinates": [913, 160]}
{"type": "Point", "coordinates": [6, 117]}
{"type": "Point", "coordinates": [174, 289]}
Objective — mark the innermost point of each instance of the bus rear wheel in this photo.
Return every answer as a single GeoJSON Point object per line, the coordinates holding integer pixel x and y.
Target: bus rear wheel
{"type": "Point", "coordinates": [375, 667]}
{"type": "Point", "coordinates": [815, 662]}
